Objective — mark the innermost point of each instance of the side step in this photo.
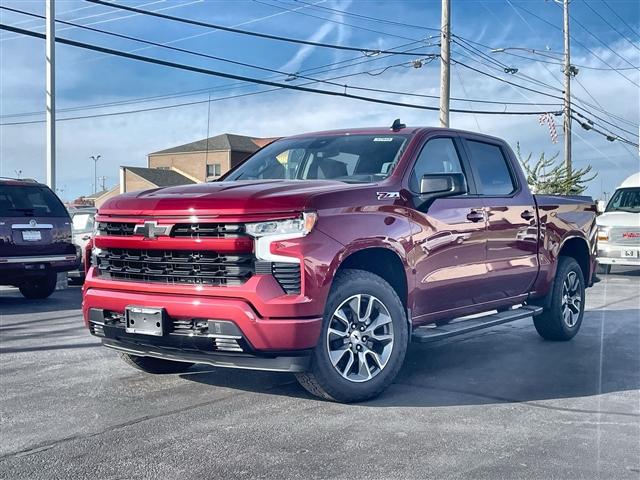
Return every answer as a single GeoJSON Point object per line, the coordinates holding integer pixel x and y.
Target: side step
{"type": "Point", "coordinates": [432, 334]}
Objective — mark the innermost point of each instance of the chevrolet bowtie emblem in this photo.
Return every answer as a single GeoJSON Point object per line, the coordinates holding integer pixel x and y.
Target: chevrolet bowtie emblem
{"type": "Point", "coordinates": [151, 229]}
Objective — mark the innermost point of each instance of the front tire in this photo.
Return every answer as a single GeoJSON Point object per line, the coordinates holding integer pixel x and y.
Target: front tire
{"type": "Point", "coordinates": [156, 366]}
{"type": "Point", "coordinates": [562, 320]}
{"type": "Point", "coordinates": [40, 287]}
{"type": "Point", "coordinates": [363, 340]}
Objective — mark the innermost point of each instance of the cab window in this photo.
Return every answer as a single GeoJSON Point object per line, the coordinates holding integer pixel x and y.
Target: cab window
{"type": "Point", "coordinates": [439, 155]}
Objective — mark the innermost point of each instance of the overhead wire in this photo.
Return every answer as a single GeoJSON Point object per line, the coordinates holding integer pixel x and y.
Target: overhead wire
{"type": "Point", "coordinates": [366, 51]}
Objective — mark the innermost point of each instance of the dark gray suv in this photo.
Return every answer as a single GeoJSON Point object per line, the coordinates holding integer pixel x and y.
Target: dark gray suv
{"type": "Point", "coordinates": [35, 238]}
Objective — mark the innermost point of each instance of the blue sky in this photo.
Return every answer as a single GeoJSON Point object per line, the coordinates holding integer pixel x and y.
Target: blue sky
{"type": "Point", "coordinates": [87, 78]}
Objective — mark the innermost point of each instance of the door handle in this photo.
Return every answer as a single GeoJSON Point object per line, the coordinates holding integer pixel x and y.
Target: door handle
{"type": "Point", "coordinates": [528, 215]}
{"type": "Point", "coordinates": [475, 216]}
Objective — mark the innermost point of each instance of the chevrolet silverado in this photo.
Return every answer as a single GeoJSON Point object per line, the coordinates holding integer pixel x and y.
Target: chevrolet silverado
{"type": "Point", "coordinates": [326, 254]}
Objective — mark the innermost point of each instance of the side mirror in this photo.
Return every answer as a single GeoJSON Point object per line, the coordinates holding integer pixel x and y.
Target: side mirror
{"type": "Point", "coordinates": [443, 184]}
{"type": "Point", "coordinates": [440, 185]}
{"type": "Point", "coordinates": [601, 205]}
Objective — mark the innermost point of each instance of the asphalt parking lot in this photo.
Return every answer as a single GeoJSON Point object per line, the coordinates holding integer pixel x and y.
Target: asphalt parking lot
{"type": "Point", "coordinates": [498, 404]}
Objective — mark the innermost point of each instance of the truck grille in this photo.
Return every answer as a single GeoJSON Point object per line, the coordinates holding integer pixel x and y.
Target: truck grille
{"type": "Point", "coordinates": [118, 229]}
{"type": "Point", "coordinates": [207, 230]}
{"type": "Point", "coordinates": [175, 266]}
{"type": "Point", "coordinates": [180, 230]}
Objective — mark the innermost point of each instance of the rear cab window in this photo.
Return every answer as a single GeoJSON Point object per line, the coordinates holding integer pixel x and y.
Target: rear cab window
{"type": "Point", "coordinates": [492, 171]}
{"type": "Point", "coordinates": [30, 201]}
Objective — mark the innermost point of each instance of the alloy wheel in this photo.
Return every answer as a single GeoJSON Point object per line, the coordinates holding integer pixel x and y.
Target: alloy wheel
{"type": "Point", "coordinates": [571, 299]}
{"type": "Point", "coordinates": [360, 338]}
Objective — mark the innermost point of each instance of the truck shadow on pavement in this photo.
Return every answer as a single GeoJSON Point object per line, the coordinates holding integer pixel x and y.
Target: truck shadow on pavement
{"type": "Point", "coordinates": [507, 364]}
{"type": "Point", "coordinates": [13, 303]}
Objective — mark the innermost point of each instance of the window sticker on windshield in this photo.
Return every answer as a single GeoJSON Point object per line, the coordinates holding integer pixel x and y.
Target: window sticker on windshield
{"type": "Point", "coordinates": [383, 139]}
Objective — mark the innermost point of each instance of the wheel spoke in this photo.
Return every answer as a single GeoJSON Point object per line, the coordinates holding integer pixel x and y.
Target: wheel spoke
{"type": "Point", "coordinates": [363, 366]}
{"type": "Point", "coordinates": [342, 317]}
{"type": "Point", "coordinates": [380, 320]}
{"type": "Point", "coordinates": [337, 354]}
{"type": "Point", "coordinates": [376, 358]}
{"type": "Point", "coordinates": [354, 305]}
{"type": "Point", "coordinates": [338, 332]}
{"type": "Point", "coordinates": [367, 312]}
{"type": "Point", "coordinates": [347, 367]}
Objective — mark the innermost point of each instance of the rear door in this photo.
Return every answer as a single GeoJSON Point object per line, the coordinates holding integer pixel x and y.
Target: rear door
{"type": "Point", "coordinates": [512, 223]}
{"type": "Point", "coordinates": [449, 241]}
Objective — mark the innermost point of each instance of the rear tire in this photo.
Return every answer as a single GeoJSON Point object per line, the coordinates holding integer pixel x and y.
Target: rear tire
{"type": "Point", "coordinates": [154, 365]}
{"type": "Point", "coordinates": [363, 340]}
{"type": "Point", "coordinates": [604, 269]}
{"type": "Point", "coordinates": [562, 320]}
{"type": "Point", "coordinates": [40, 287]}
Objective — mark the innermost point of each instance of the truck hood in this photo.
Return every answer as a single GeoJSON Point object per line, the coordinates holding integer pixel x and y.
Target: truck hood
{"type": "Point", "coordinates": [619, 219]}
{"type": "Point", "coordinates": [222, 198]}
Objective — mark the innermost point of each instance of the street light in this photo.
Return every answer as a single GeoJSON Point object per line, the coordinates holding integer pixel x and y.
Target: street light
{"type": "Point", "coordinates": [95, 172]}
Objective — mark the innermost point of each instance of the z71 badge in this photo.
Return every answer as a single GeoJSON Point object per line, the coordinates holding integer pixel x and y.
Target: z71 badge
{"type": "Point", "coordinates": [387, 195]}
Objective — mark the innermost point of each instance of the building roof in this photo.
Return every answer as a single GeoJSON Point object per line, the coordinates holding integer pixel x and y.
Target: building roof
{"type": "Point", "coordinates": [161, 177]}
{"type": "Point", "coordinates": [226, 141]}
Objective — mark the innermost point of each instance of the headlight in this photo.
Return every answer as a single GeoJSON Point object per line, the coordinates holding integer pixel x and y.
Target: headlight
{"type": "Point", "coordinates": [603, 234]}
{"type": "Point", "coordinates": [274, 231]}
{"type": "Point", "coordinates": [290, 227]}
{"type": "Point", "coordinates": [96, 229]}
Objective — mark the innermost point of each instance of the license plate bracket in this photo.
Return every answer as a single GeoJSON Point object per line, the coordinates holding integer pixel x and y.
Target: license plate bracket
{"type": "Point", "coordinates": [145, 320]}
{"type": "Point", "coordinates": [31, 235]}
{"type": "Point", "coordinates": [630, 253]}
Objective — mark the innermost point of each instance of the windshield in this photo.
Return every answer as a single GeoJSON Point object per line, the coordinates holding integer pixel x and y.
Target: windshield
{"type": "Point", "coordinates": [625, 200]}
{"type": "Point", "coordinates": [83, 222]}
{"type": "Point", "coordinates": [347, 158]}
{"type": "Point", "coordinates": [29, 201]}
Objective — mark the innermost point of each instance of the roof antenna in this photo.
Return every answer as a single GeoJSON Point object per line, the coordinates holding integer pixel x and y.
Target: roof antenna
{"type": "Point", "coordinates": [397, 125]}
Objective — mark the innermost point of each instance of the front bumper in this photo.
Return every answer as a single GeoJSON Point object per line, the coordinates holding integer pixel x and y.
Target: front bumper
{"type": "Point", "coordinates": [613, 255]}
{"type": "Point", "coordinates": [290, 364]}
{"type": "Point", "coordinates": [262, 334]}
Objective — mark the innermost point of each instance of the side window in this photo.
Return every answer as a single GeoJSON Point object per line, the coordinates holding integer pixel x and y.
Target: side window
{"type": "Point", "coordinates": [494, 177]}
{"type": "Point", "coordinates": [437, 156]}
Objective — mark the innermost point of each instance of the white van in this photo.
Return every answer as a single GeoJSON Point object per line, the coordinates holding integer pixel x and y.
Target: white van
{"type": "Point", "coordinates": [619, 227]}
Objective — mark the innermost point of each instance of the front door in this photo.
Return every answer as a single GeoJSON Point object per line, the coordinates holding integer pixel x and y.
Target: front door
{"type": "Point", "coordinates": [449, 242]}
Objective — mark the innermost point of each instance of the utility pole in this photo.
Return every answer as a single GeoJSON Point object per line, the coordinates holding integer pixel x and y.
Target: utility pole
{"type": "Point", "coordinates": [445, 76]}
{"type": "Point", "coordinates": [95, 159]}
{"type": "Point", "coordinates": [567, 91]}
{"type": "Point", "coordinates": [51, 92]}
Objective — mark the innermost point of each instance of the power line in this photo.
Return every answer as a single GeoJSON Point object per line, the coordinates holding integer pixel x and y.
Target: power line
{"type": "Point", "coordinates": [631, 29]}
{"type": "Point", "coordinates": [612, 27]}
{"type": "Point", "coordinates": [573, 96]}
{"type": "Point", "coordinates": [578, 42]}
{"type": "Point", "coordinates": [313, 80]}
{"type": "Point", "coordinates": [605, 44]}
{"type": "Point", "coordinates": [338, 22]}
{"type": "Point", "coordinates": [366, 51]}
{"type": "Point", "coordinates": [609, 136]}
{"type": "Point", "coordinates": [250, 79]}
{"type": "Point", "coordinates": [370, 18]}
{"type": "Point", "coordinates": [191, 52]}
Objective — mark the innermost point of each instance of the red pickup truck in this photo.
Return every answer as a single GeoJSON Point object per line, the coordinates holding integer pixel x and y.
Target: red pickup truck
{"type": "Point", "coordinates": [325, 254]}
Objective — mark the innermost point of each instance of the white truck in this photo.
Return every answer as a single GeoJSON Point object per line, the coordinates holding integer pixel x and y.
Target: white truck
{"type": "Point", "coordinates": [619, 227]}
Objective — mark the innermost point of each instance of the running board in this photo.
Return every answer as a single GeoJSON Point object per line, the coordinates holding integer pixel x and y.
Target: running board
{"type": "Point", "coordinates": [433, 334]}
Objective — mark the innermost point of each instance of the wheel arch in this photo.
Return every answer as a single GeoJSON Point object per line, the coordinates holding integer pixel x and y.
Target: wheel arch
{"type": "Point", "coordinates": [381, 260]}
{"type": "Point", "coordinates": [577, 247]}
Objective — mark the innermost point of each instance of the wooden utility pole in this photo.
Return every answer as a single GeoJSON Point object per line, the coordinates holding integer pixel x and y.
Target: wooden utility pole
{"type": "Point", "coordinates": [567, 91]}
{"type": "Point", "coordinates": [51, 92]}
{"type": "Point", "coordinates": [445, 75]}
